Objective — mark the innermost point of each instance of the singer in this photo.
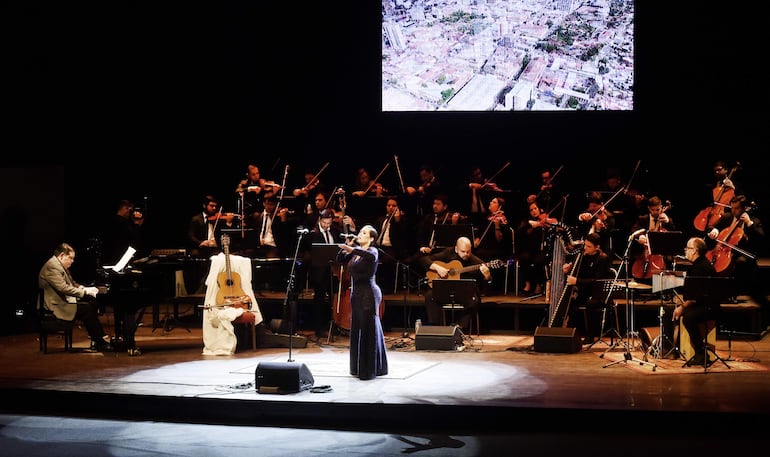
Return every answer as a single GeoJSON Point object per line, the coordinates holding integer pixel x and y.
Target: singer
{"type": "Point", "coordinates": [368, 358]}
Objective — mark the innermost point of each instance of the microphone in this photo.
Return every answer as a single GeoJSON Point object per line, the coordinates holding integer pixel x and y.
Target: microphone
{"type": "Point", "coordinates": [636, 233]}
{"type": "Point", "coordinates": [680, 257]}
{"type": "Point", "coordinates": [348, 235]}
{"type": "Point", "coordinates": [302, 231]}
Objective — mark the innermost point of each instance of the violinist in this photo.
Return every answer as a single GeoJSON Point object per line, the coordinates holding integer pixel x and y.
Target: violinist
{"type": "Point", "coordinates": [737, 238]}
{"type": "Point", "coordinates": [530, 247]}
{"type": "Point", "coordinates": [310, 187]}
{"type": "Point", "coordinates": [253, 190]}
{"type": "Point", "coordinates": [364, 185]}
{"type": "Point", "coordinates": [273, 226]}
{"type": "Point", "coordinates": [393, 241]}
{"type": "Point", "coordinates": [646, 264]}
{"type": "Point", "coordinates": [493, 240]}
{"type": "Point", "coordinates": [425, 193]}
{"type": "Point", "coordinates": [478, 192]}
{"type": "Point", "coordinates": [597, 219]}
{"type": "Point", "coordinates": [205, 227]}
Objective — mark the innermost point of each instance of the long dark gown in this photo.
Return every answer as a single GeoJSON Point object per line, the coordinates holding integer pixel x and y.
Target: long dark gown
{"type": "Point", "coordinates": [368, 358]}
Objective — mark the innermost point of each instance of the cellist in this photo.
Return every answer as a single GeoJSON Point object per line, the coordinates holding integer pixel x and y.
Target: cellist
{"type": "Point", "coordinates": [736, 239]}
{"type": "Point", "coordinates": [655, 220]}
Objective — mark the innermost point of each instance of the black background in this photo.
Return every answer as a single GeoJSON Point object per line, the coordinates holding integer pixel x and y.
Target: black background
{"type": "Point", "coordinates": [165, 103]}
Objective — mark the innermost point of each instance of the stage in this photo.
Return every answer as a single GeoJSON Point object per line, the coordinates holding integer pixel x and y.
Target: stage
{"type": "Point", "coordinates": [495, 385]}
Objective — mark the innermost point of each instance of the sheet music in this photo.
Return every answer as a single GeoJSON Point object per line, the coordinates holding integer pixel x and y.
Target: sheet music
{"type": "Point", "coordinates": [118, 267]}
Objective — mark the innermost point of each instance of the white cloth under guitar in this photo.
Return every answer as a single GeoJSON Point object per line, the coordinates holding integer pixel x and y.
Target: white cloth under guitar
{"type": "Point", "coordinates": [218, 332]}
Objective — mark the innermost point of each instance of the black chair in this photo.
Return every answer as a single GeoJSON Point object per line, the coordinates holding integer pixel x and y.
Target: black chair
{"type": "Point", "coordinates": [49, 324]}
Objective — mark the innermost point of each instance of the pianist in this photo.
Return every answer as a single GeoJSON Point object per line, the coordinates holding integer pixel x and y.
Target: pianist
{"type": "Point", "coordinates": [63, 296]}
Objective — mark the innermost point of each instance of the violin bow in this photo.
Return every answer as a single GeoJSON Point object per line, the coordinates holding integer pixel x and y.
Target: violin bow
{"type": "Point", "coordinates": [315, 177]}
{"type": "Point", "coordinates": [550, 181]}
{"type": "Point", "coordinates": [400, 178]}
{"type": "Point", "coordinates": [488, 180]}
{"type": "Point", "coordinates": [374, 181]}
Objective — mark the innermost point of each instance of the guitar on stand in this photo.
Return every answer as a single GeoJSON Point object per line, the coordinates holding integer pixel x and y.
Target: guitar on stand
{"type": "Point", "coordinates": [230, 293]}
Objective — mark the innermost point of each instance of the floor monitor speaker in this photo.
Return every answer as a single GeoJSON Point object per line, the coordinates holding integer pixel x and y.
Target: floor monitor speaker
{"type": "Point", "coordinates": [557, 339]}
{"type": "Point", "coordinates": [282, 377]}
{"type": "Point", "coordinates": [438, 338]}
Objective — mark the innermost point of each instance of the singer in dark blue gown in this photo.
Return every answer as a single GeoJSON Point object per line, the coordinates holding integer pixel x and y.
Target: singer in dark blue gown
{"type": "Point", "coordinates": [368, 358]}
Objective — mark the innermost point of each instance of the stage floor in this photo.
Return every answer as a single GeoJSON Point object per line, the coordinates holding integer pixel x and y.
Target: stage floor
{"type": "Point", "coordinates": [492, 385]}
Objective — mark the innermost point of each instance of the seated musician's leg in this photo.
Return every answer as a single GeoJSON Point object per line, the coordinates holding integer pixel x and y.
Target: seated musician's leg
{"type": "Point", "coordinates": [88, 313]}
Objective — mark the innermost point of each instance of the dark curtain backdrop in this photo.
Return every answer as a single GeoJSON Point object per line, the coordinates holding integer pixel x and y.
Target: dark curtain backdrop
{"type": "Point", "coordinates": [162, 104]}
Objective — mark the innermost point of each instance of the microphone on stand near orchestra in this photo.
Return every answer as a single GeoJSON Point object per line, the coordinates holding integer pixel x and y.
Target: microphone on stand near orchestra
{"type": "Point", "coordinates": [629, 297]}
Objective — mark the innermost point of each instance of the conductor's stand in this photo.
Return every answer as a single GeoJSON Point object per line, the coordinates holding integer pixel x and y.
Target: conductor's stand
{"type": "Point", "coordinates": [711, 291]}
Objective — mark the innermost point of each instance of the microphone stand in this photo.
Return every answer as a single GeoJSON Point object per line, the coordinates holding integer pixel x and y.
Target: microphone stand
{"type": "Point", "coordinates": [287, 309]}
{"type": "Point", "coordinates": [629, 316]}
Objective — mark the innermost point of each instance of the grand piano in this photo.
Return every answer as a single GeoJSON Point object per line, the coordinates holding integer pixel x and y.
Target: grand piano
{"type": "Point", "coordinates": [143, 283]}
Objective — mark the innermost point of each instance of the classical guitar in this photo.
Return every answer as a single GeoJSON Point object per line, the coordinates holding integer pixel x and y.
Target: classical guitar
{"type": "Point", "coordinates": [456, 268]}
{"type": "Point", "coordinates": [230, 292]}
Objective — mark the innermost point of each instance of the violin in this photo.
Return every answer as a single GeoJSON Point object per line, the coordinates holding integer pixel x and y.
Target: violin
{"type": "Point", "coordinates": [226, 216]}
{"type": "Point", "coordinates": [267, 186]}
{"type": "Point", "coordinates": [544, 221]}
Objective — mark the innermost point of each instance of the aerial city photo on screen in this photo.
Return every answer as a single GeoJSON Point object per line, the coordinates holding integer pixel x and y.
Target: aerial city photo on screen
{"type": "Point", "coordinates": [507, 55]}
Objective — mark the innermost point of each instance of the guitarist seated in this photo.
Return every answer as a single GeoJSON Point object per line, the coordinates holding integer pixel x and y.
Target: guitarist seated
{"type": "Point", "coordinates": [446, 264]}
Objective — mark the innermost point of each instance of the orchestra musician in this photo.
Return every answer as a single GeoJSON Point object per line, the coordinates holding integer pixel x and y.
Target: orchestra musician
{"type": "Point", "coordinates": [205, 227]}
{"type": "Point", "coordinates": [597, 219]}
{"type": "Point", "coordinates": [430, 186]}
{"type": "Point", "coordinates": [64, 297]}
{"type": "Point", "coordinates": [656, 219]}
{"type": "Point", "coordinates": [531, 249]}
{"type": "Point", "coordinates": [734, 243]}
{"type": "Point", "coordinates": [588, 277]}
{"type": "Point", "coordinates": [461, 252]}
{"type": "Point", "coordinates": [477, 193]}
{"type": "Point", "coordinates": [365, 186]}
{"type": "Point", "coordinates": [253, 190]}
{"type": "Point", "coordinates": [393, 240]}
{"type": "Point", "coordinates": [310, 188]}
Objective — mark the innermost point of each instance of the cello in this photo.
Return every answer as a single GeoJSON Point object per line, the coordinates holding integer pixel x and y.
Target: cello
{"type": "Point", "coordinates": [727, 241]}
{"type": "Point", "coordinates": [709, 216]}
{"type": "Point", "coordinates": [649, 264]}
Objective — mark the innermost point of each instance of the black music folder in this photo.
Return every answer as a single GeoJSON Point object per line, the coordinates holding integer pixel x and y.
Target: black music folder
{"type": "Point", "coordinates": [666, 243]}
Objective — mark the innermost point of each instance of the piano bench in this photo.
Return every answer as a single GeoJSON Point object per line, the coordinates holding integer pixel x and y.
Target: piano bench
{"type": "Point", "coordinates": [51, 325]}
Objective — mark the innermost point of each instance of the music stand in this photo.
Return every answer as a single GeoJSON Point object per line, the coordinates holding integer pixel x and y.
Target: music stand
{"type": "Point", "coordinates": [323, 254]}
{"type": "Point", "coordinates": [455, 292]}
{"type": "Point", "coordinates": [710, 291]}
{"type": "Point", "coordinates": [666, 243]}
{"type": "Point", "coordinates": [445, 235]}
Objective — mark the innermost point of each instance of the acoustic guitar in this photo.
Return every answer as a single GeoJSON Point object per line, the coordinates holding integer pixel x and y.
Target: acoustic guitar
{"type": "Point", "coordinates": [230, 291]}
{"type": "Point", "coordinates": [456, 268]}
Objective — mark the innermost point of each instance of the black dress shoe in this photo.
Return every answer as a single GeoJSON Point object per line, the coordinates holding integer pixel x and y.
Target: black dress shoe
{"type": "Point", "coordinates": [103, 347]}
